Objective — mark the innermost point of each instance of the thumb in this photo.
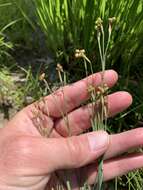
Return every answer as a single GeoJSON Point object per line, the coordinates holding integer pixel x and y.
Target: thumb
{"type": "Point", "coordinates": [65, 153]}
{"type": "Point", "coordinates": [42, 156]}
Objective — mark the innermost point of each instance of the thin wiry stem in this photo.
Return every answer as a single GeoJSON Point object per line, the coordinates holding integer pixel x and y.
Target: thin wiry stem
{"type": "Point", "coordinates": [101, 116]}
{"type": "Point", "coordinates": [107, 46]}
{"type": "Point", "coordinates": [103, 44]}
{"type": "Point", "coordinates": [86, 58]}
{"type": "Point", "coordinates": [85, 66]}
{"type": "Point", "coordinates": [65, 102]}
{"type": "Point", "coordinates": [55, 102]}
{"type": "Point", "coordinates": [99, 45]}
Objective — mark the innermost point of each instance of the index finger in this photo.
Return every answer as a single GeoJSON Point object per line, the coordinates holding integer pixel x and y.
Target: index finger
{"type": "Point", "coordinates": [71, 96]}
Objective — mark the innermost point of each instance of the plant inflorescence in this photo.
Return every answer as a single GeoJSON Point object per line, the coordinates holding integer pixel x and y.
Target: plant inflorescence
{"type": "Point", "coordinates": [98, 95]}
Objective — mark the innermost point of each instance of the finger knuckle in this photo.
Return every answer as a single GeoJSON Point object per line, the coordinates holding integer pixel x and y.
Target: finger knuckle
{"type": "Point", "coordinates": [75, 151]}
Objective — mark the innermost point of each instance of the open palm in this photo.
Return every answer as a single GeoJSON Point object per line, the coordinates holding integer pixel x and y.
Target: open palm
{"type": "Point", "coordinates": [32, 162]}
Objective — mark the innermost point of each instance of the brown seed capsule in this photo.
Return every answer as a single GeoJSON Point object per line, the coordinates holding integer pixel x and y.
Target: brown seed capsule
{"type": "Point", "coordinates": [77, 51]}
{"type": "Point", "coordinates": [59, 68]}
{"type": "Point", "coordinates": [99, 22]}
{"type": "Point", "coordinates": [76, 55]}
{"type": "Point", "coordinates": [90, 88]}
{"type": "Point", "coordinates": [42, 77]}
{"type": "Point", "coordinates": [111, 20]}
{"type": "Point", "coordinates": [82, 51]}
{"type": "Point", "coordinates": [100, 89]}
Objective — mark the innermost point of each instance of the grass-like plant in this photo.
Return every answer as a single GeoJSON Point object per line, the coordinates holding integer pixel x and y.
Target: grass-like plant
{"type": "Point", "coordinates": [16, 14]}
{"type": "Point", "coordinates": [71, 24]}
{"type": "Point", "coordinates": [98, 96]}
{"type": "Point", "coordinates": [10, 95]}
{"type": "Point", "coordinates": [4, 44]}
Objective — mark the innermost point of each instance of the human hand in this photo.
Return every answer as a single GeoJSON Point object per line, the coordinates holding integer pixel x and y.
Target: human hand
{"type": "Point", "coordinates": [32, 162]}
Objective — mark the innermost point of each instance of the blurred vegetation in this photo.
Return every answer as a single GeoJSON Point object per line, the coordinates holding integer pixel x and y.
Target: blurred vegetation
{"type": "Point", "coordinates": [9, 93]}
{"type": "Point", "coordinates": [69, 25]}
{"type": "Point", "coordinates": [10, 13]}
{"type": "Point", "coordinates": [40, 28]}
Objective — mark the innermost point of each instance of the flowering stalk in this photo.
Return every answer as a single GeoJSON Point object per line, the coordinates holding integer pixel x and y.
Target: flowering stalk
{"type": "Point", "coordinates": [63, 83]}
{"type": "Point", "coordinates": [101, 117]}
{"type": "Point", "coordinates": [80, 53]}
{"type": "Point", "coordinates": [44, 131]}
{"type": "Point", "coordinates": [98, 95]}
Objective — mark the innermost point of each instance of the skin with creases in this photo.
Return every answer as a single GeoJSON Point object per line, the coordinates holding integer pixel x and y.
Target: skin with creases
{"type": "Point", "coordinates": [29, 161]}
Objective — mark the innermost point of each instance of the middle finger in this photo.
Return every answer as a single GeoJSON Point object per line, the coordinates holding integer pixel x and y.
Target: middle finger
{"type": "Point", "coordinates": [80, 119]}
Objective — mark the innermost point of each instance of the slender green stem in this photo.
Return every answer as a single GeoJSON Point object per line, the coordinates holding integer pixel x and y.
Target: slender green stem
{"type": "Point", "coordinates": [86, 58]}
{"type": "Point", "coordinates": [98, 184]}
{"type": "Point", "coordinates": [103, 42]}
{"type": "Point", "coordinates": [107, 46]}
{"type": "Point", "coordinates": [99, 46]}
{"type": "Point", "coordinates": [65, 102]}
{"type": "Point", "coordinates": [85, 66]}
{"type": "Point", "coordinates": [116, 183]}
{"type": "Point", "coordinates": [101, 116]}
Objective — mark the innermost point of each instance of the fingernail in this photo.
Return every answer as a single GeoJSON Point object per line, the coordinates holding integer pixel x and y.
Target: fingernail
{"type": "Point", "coordinates": [98, 140]}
